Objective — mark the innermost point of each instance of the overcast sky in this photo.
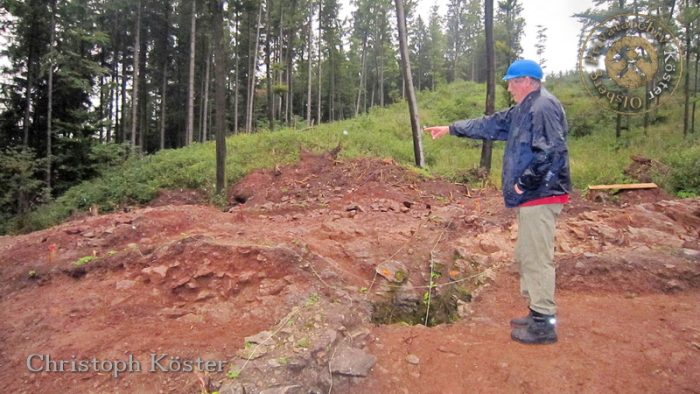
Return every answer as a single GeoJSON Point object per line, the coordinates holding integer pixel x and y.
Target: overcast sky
{"type": "Point", "coordinates": [562, 30]}
{"type": "Point", "coordinates": [561, 47]}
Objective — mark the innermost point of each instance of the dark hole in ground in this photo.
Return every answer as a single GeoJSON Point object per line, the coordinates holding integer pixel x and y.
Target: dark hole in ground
{"type": "Point", "coordinates": [75, 272]}
{"type": "Point", "coordinates": [404, 305]}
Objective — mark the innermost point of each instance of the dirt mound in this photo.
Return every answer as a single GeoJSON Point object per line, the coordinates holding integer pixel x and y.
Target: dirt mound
{"type": "Point", "coordinates": [320, 180]}
{"type": "Point", "coordinates": [279, 293]}
{"type": "Point", "coordinates": [632, 273]}
{"type": "Point", "coordinates": [178, 197]}
{"type": "Point", "coordinates": [625, 198]}
{"type": "Point", "coordinates": [642, 169]}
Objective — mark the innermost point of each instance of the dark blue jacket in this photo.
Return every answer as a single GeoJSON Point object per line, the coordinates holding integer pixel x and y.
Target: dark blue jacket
{"type": "Point", "coordinates": [536, 156]}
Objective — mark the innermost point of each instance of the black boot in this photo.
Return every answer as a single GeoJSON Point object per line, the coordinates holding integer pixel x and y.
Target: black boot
{"type": "Point", "coordinates": [540, 330]}
{"type": "Point", "coordinates": [522, 321]}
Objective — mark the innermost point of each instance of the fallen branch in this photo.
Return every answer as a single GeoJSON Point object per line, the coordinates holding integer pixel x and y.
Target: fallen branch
{"type": "Point", "coordinates": [621, 186]}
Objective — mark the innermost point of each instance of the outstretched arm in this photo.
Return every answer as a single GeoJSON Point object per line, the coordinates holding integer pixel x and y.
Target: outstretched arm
{"type": "Point", "coordinates": [492, 127]}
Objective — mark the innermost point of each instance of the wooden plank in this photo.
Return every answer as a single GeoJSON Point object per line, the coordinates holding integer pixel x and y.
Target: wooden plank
{"type": "Point", "coordinates": [624, 186]}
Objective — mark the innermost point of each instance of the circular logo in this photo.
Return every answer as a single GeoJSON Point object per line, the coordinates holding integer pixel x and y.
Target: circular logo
{"type": "Point", "coordinates": [630, 62]}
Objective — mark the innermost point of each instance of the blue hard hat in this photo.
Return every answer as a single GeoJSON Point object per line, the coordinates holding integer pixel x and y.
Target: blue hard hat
{"type": "Point", "coordinates": [523, 68]}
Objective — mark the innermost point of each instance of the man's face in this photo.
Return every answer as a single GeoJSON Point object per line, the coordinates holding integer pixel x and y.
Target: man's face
{"type": "Point", "coordinates": [519, 88]}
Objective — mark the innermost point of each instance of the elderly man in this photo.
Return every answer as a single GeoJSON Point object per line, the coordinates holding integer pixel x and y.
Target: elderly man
{"type": "Point", "coordinates": [536, 182]}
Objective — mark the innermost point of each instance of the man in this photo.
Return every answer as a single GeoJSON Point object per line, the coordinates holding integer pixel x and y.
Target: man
{"type": "Point", "coordinates": [536, 182]}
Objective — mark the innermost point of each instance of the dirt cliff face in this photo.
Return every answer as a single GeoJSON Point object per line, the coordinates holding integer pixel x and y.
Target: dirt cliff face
{"type": "Point", "coordinates": [280, 290]}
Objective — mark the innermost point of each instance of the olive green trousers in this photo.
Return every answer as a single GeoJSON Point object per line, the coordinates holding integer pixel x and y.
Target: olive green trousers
{"type": "Point", "coordinates": [534, 253]}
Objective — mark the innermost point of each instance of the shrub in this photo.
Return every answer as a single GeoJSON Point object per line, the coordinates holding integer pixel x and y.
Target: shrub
{"type": "Point", "coordinates": [684, 179]}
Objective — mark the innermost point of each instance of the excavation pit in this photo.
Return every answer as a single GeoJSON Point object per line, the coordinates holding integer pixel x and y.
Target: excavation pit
{"type": "Point", "coordinates": [406, 305]}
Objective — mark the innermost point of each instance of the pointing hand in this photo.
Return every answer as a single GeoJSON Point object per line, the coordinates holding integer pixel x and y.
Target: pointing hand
{"type": "Point", "coordinates": [437, 131]}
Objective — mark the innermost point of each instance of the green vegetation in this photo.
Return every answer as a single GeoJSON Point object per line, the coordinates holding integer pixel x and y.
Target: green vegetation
{"type": "Point", "coordinates": [83, 261]}
{"type": "Point", "coordinates": [303, 343]}
{"type": "Point", "coordinates": [233, 374]}
{"type": "Point", "coordinates": [596, 155]}
{"type": "Point", "coordinates": [312, 300]}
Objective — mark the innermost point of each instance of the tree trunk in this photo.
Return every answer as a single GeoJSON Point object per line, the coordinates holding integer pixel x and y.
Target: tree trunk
{"type": "Point", "coordinates": [235, 77]}
{"type": "Point", "coordinates": [163, 99]}
{"type": "Point", "coordinates": [144, 97]}
{"type": "Point", "coordinates": [406, 67]}
{"type": "Point", "coordinates": [695, 91]}
{"type": "Point", "coordinates": [309, 74]}
{"type": "Point", "coordinates": [220, 95]}
{"type": "Point", "coordinates": [102, 108]}
{"type": "Point", "coordinates": [381, 75]}
{"type": "Point", "coordinates": [289, 103]}
{"type": "Point", "coordinates": [114, 98]}
{"type": "Point", "coordinates": [487, 145]}
{"type": "Point", "coordinates": [686, 85]}
{"type": "Point", "coordinates": [419, 78]}
{"type": "Point", "coordinates": [362, 74]}
{"type": "Point", "coordinates": [279, 55]}
{"type": "Point", "coordinates": [135, 81]}
{"type": "Point", "coordinates": [251, 75]}
{"type": "Point", "coordinates": [49, 105]}
{"type": "Point", "coordinates": [115, 89]}
{"type": "Point", "coordinates": [268, 74]}
{"type": "Point", "coordinates": [28, 93]}
{"type": "Point", "coordinates": [318, 104]}
{"type": "Point", "coordinates": [331, 85]}
{"type": "Point", "coordinates": [122, 126]}
{"type": "Point", "coordinates": [110, 108]}
{"type": "Point", "coordinates": [189, 130]}
{"type": "Point", "coordinates": [205, 98]}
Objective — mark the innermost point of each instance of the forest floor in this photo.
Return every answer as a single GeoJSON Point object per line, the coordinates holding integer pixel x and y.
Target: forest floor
{"type": "Point", "coordinates": [279, 293]}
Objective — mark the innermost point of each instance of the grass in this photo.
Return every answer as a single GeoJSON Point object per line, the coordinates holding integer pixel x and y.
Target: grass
{"type": "Point", "coordinates": [83, 261]}
{"type": "Point", "coordinates": [596, 155]}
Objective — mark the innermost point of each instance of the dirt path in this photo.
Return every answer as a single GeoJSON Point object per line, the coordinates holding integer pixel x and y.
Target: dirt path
{"type": "Point", "coordinates": [280, 288]}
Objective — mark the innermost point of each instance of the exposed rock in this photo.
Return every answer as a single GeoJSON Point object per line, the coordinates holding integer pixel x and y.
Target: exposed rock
{"type": "Point", "coordinates": [204, 295]}
{"type": "Point", "coordinates": [289, 389]}
{"type": "Point", "coordinates": [673, 286]}
{"type": "Point", "coordinates": [393, 271]}
{"type": "Point", "coordinates": [191, 318]}
{"type": "Point", "coordinates": [324, 341]}
{"type": "Point", "coordinates": [252, 352]}
{"type": "Point", "coordinates": [246, 276]}
{"type": "Point", "coordinates": [412, 359]}
{"type": "Point", "coordinates": [125, 284]}
{"type": "Point", "coordinates": [161, 270]}
{"type": "Point", "coordinates": [232, 388]}
{"type": "Point", "coordinates": [297, 363]}
{"type": "Point", "coordinates": [271, 287]}
{"type": "Point", "coordinates": [690, 253]}
{"type": "Point", "coordinates": [354, 207]}
{"type": "Point", "coordinates": [259, 338]}
{"type": "Point", "coordinates": [351, 361]}
{"type": "Point", "coordinates": [74, 230]}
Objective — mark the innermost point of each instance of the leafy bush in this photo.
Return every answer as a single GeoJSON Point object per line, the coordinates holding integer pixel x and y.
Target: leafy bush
{"type": "Point", "coordinates": [684, 179]}
{"type": "Point", "coordinates": [106, 156]}
{"type": "Point", "coordinates": [19, 186]}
